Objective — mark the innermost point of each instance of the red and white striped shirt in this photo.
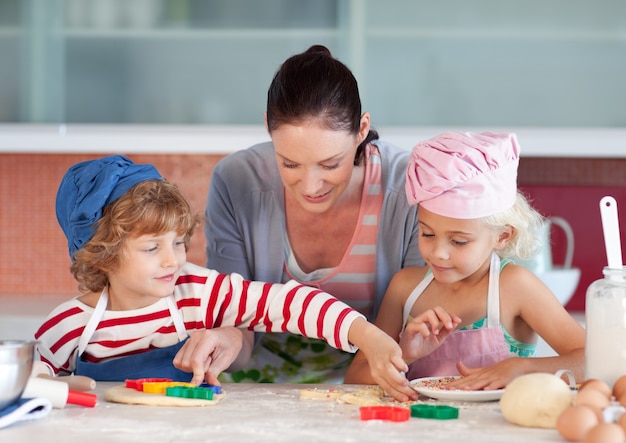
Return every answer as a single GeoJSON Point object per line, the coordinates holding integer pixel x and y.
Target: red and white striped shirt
{"type": "Point", "coordinates": [206, 299]}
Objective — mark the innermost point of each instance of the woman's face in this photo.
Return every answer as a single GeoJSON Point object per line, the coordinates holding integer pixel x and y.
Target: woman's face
{"type": "Point", "coordinates": [316, 164]}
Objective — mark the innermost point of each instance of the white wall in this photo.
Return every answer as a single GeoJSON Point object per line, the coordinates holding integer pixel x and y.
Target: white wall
{"type": "Point", "coordinates": [535, 142]}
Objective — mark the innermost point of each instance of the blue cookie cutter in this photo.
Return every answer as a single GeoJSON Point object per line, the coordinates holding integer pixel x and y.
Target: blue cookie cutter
{"type": "Point", "coordinates": [215, 388]}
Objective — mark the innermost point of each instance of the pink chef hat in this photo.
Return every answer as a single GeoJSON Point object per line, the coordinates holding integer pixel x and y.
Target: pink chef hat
{"type": "Point", "coordinates": [464, 175]}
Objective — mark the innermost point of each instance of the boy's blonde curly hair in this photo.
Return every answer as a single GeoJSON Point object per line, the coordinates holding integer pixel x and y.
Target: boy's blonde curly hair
{"type": "Point", "coordinates": [149, 207]}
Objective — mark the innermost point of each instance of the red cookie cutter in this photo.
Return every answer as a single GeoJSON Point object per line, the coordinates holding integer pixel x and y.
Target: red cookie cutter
{"type": "Point", "coordinates": [388, 413]}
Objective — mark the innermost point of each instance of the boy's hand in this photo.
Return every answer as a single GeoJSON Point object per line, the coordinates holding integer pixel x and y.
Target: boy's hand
{"type": "Point", "coordinates": [384, 357]}
{"type": "Point", "coordinates": [209, 352]}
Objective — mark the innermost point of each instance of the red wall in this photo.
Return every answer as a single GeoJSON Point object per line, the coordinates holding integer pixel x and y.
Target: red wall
{"type": "Point", "coordinates": [579, 205]}
{"type": "Point", "coordinates": [33, 249]}
{"type": "Point", "coordinates": [30, 238]}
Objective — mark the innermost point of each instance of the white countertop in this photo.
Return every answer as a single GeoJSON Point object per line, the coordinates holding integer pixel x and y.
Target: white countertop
{"type": "Point", "coordinates": [266, 413]}
{"type": "Point", "coordinates": [22, 315]}
{"type": "Point", "coordinates": [164, 139]}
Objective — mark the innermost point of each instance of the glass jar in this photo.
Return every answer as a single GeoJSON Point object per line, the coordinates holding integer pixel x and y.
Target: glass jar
{"type": "Point", "coordinates": [605, 322]}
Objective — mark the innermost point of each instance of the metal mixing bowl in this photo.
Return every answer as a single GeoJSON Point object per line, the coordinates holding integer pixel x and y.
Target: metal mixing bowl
{"type": "Point", "coordinates": [16, 363]}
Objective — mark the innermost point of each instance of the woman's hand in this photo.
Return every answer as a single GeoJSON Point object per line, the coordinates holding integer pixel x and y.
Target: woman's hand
{"type": "Point", "coordinates": [208, 352]}
{"type": "Point", "coordinates": [426, 332]}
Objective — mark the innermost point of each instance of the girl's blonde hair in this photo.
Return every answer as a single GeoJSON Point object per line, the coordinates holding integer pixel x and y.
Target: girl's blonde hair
{"type": "Point", "coordinates": [149, 207]}
{"type": "Point", "coordinates": [526, 223]}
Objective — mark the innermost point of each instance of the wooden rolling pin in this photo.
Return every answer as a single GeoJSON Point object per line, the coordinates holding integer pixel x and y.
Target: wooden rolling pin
{"type": "Point", "coordinates": [58, 392]}
{"type": "Point", "coordinates": [75, 382]}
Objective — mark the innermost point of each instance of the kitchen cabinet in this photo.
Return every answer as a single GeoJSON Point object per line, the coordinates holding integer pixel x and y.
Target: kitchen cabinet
{"type": "Point", "coordinates": [558, 63]}
{"type": "Point", "coordinates": [153, 61]}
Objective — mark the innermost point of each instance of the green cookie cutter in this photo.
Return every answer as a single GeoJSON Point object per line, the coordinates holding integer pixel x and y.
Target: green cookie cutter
{"type": "Point", "coordinates": [438, 412]}
{"type": "Point", "coordinates": [189, 392]}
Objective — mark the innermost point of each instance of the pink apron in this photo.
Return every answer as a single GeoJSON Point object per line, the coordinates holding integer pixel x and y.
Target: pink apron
{"type": "Point", "coordinates": [475, 348]}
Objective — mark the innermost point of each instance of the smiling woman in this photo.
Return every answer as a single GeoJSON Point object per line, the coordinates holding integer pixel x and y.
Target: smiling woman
{"type": "Point", "coordinates": [322, 203]}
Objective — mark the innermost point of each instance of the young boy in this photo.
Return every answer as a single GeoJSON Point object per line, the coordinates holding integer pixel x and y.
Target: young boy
{"type": "Point", "coordinates": [145, 312]}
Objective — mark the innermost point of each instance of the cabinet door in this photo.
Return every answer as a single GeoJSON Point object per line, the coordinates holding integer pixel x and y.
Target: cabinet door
{"type": "Point", "coordinates": [209, 62]}
{"type": "Point", "coordinates": [495, 63]}
{"type": "Point", "coordinates": [151, 61]}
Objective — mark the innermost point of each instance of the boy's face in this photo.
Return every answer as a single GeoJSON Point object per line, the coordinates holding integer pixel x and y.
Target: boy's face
{"type": "Point", "coordinates": [149, 267]}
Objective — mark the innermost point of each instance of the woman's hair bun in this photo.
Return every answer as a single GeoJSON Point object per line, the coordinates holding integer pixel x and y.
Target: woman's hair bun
{"type": "Point", "coordinates": [319, 49]}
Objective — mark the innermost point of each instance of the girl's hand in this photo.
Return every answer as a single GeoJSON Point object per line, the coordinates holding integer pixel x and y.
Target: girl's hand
{"type": "Point", "coordinates": [426, 332]}
{"type": "Point", "coordinates": [489, 378]}
{"type": "Point", "coordinates": [208, 352]}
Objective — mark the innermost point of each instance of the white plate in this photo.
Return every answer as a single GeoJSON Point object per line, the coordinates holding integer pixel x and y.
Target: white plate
{"type": "Point", "coordinates": [455, 394]}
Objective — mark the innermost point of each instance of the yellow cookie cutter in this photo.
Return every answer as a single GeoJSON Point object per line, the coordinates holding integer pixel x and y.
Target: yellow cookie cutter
{"type": "Point", "coordinates": [161, 387]}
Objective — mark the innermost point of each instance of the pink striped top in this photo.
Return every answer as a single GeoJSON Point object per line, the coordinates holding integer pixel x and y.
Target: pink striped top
{"type": "Point", "coordinates": [352, 281]}
{"type": "Point", "coordinates": [206, 299]}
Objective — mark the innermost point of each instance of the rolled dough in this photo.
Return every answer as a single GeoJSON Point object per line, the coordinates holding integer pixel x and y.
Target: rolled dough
{"type": "Point", "coordinates": [321, 394]}
{"type": "Point", "coordinates": [122, 394]}
{"type": "Point", "coordinates": [364, 396]}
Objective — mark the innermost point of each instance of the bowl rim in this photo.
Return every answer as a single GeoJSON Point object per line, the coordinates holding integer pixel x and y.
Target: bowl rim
{"type": "Point", "coordinates": [15, 344]}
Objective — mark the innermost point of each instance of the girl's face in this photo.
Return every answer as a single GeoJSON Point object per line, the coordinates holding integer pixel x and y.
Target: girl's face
{"type": "Point", "coordinates": [148, 270]}
{"type": "Point", "coordinates": [455, 249]}
{"type": "Point", "coordinates": [316, 164]}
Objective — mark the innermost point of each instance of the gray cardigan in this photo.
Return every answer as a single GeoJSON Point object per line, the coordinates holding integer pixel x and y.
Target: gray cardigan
{"type": "Point", "coordinates": [245, 217]}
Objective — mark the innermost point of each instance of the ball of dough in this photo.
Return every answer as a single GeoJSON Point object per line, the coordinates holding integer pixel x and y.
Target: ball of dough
{"type": "Point", "coordinates": [535, 400]}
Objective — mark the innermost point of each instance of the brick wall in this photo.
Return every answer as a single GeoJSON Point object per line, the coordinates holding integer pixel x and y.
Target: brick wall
{"type": "Point", "coordinates": [33, 252]}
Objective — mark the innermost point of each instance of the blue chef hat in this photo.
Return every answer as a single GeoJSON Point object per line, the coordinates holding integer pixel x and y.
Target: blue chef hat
{"type": "Point", "coordinates": [88, 187]}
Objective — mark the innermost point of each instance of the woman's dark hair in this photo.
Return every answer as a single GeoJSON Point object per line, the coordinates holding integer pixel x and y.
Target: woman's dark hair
{"type": "Point", "coordinates": [313, 84]}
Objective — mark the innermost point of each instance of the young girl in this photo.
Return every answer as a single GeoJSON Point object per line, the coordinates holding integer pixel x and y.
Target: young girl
{"type": "Point", "coordinates": [128, 231]}
{"type": "Point", "coordinates": [472, 311]}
